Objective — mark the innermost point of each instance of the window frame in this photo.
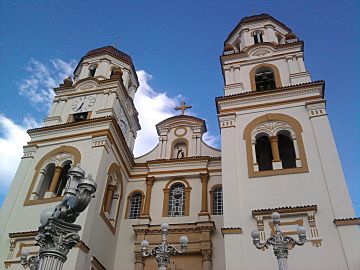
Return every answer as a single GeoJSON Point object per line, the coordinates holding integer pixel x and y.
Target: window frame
{"type": "Point", "coordinates": [128, 204]}
{"type": "Point", "coordinates": [213, 189]}
{"type": "Point", "coordinates": [114, 170]}
{"type": "Point", "coordinates": [249, 134]}
{"type": "Point", "coordinates": [166, 190]}
{"type": "Point", "coordinates": [41, 164]}
{"type": "Point", "coordinates": [275, 70]}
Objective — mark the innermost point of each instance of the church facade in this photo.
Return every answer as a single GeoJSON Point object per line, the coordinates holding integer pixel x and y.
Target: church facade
{"type": "Point", "coordinates": [277, 154]}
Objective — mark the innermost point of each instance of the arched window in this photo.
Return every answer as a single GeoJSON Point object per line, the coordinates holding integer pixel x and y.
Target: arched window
{"type": "Point", "coordinates": [217, 197]}
{"type": "Point", "coordinates": [274, 146]}
{"type": "Point", "coordinates": [258, 37]}
{"type": "Point", "coordinates": [47, 175]}
{"type": "Point", "coordinates": [135, 205]}
{"type": "Point", "coordinates": [264, 79]}
{"type": "Point", "coordinates": [286, 150]}
{"type": "Point", "coordinates": [263, 153]}
{"type": "Point", "coordinates": [177, 200]}
{"type": "Point", "coordinates": [112, 197]}
{"type": "Point", "coordinates": [92, 70]}
{"type": "Point", "coordinates": [111, 200]}
{"type": "Point", "coordinates": [49, 179]}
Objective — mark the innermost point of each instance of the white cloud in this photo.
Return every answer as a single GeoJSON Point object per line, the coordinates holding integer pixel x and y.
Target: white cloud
{"type": "Point", "coordinates": [12, 138]}
{"type": "Point", "coordinates": [42, 78]}
{"type": "Point", "coordinates": [212, 140]}
{"type": "Point", "coordinates": [153, 107]}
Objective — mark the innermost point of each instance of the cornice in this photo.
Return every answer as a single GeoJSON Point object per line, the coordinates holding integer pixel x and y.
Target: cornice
{"type": "Point", "coordinates": [347, 221]}
{"type": "Point", "coordinates": [285, 210]}
{"type": "Point", "coordinates": [246, 52]}
{"type": "Point", "coordinates": [306, 89]}
{"type": "Point", "coordinates": [109, 123]}
{"type": "Point", "coordinates": [176, 228]}
{"type": "Point", "coordinates": [22, 234]}
{"type": "Point", "coordinates": [231, 230]}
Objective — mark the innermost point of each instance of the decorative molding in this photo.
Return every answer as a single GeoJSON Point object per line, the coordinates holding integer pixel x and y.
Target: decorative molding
{"type": "Point", "coordinates": [180, 131]}
{"type": "Point", "coordinates": [290, 212]}
{"type": "Point", "coordinates": [316, 108]}
{"type": "Point", "coordinates": [347, 221]}
{"type": "Point", "coordinates": [269, 96]}
{"type": "Point", "coordinates": [101, 141]}
{"type": "Point", "coordinates": [231, 230]}
{"type": "Point", "coordinates": [288, 123]}
{"type": "Point", "coordinates": [260, 52]}
{"type": "Point", "coordinates": [284, 210]}
{"type": "Point", "coordinates": [86, 86]}
{"type": "Point", "coordinates": [29, 151]}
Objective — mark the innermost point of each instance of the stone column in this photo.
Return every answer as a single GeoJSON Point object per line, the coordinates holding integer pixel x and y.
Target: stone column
{"type": "Point", "coordinates": [109, 197]}
{"type": "Point", "coordinates": [276, 162]}
{"type": "Point", "coordinates": [139, 261]}
{"type": "Point", "coordinates": [206, 260]}
{"type": "Point", "coordinates": [275, 148]}
{"type": "Point", "coordinates": [204, 200]}
{"type": "Point", "coordinates": [55, 180]}
{"type": "Point", "coordinates": [56, 238]}
{"type": "Point", "coordinates": [149, 185]}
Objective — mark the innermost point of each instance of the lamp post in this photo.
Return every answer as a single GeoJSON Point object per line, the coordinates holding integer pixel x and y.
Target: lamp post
{"type": "Point", "coordinates": [58, 234]}
{"type": "Point", "coordinates": [281, 243]}
{"type": "Point", "coordinates": [163, 251]}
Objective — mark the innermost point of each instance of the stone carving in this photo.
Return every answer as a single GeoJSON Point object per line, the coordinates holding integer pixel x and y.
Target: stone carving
{"type": "Point", "coordinates": [87, 86]}
{"type": "Point", "coordinates": [271, 128]}
{"type": "Point", "coordinates": [261, 52]}
{"type": "Point", "coordinates": [206, 254]}
{"type": "Point", "coordinates": [59, 158]}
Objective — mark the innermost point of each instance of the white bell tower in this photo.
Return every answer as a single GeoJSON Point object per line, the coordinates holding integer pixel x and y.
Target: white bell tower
{"type": "Point", "coordinates": [278, 152]}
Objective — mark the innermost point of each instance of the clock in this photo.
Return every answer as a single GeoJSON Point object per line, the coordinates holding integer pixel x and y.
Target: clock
{"type": "Point", "coordinates": [83, 104]}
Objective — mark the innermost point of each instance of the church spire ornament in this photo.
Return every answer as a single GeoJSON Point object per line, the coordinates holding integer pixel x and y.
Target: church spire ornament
{"type": "Point", "coordinates": [183, 107]}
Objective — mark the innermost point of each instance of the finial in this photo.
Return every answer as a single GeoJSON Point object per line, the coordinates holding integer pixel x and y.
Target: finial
{"type": "Point", "coordinates": [183, 107]}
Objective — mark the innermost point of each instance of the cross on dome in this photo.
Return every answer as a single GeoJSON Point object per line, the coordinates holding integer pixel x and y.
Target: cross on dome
{"type": "Point", "coordinates": [183, 107]}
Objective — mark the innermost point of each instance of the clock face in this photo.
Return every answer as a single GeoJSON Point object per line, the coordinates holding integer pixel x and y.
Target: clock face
{"type": "Point", "coordinates": [83, 104]}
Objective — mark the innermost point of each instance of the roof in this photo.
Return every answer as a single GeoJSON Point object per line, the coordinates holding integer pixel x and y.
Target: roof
{"type": "Point", "coordinates": [111, 51]}
{"type": "Point", "coordinates": [254, 18]}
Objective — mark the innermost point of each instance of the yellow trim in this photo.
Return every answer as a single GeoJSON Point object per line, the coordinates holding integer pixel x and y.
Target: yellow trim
{"type": "Point", "coordinates": [274, 69]}
{"type": "Point", "coordinates": [213, 188]}
{"type": "Point", "coordinates": [166, 195]}
{"type": "Point", "coordinates": [251, 160]}
{"type": "Point", "coordinates": [113, 169]}
{"type": "Point", "coordinates": [68, 149]}
{"type": "Point", "coordinates": [129, 199]}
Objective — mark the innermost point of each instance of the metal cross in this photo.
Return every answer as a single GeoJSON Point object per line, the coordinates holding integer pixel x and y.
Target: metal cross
{"type": "Point", "coordinates": [183, 107]}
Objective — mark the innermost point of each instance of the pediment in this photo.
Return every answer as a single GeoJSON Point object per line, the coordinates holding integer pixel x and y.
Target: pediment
{"type": "Point", "coordinates": [87, 84]}
{"type": "Point", "coordinates": [260, 51]}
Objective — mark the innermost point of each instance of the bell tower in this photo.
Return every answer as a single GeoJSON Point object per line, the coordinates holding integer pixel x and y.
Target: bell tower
{"type": "Point", "coordinates": [278, 151]}
{"type": "Point", "coordinates": [92, 122]}
{"type": "Point", "coordinates": [104, 84]}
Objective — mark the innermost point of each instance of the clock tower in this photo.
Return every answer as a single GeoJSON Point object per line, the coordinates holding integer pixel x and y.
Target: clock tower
{"type": "Point", "coordinates": [104, 84]}
{"type": "Point", "coordinates": [92, 122]}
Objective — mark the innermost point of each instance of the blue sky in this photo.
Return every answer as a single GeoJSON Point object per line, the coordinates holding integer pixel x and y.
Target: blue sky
{"type": "Point", "coordinates": [177, 44]}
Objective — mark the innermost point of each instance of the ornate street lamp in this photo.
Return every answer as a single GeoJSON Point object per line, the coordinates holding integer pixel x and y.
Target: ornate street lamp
{"type": "Point", "coordinates": [163, 251]}
{"type": "Point", "coordinates": [58, 234]}
{"type": "Point", "coordinates": [281, 243]}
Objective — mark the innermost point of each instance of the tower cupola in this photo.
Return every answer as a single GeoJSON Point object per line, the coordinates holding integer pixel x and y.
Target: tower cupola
{"type": "Point", "coordinates": [262, 53]}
